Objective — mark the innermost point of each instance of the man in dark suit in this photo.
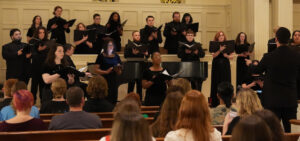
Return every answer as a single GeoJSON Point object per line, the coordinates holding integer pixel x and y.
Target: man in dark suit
{"type": "Point", "coordinates": [281, 68]}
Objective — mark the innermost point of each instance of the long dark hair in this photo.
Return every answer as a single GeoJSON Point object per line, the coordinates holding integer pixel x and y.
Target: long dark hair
{"type": "Point", "coordinates": [225, 92]}
{"type": "Point", "coordinates": [33, 21]}
{"type": "Point", "coordinates": [292, 40]}
{"type": "Point", "coordinates": [238, 40]}
{"type": "Point", "coordinates": [110, 20]}
{"type": "Point", "coordinates": [50, 60]}
{"type": "Point", "coordinates": [187, 15]}
{"type": "Point", "coordinates": [36, 33]}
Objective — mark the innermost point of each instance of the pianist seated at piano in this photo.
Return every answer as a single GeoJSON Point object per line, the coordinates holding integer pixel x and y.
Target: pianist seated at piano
{"type": "Point", "coordinates": [108, 64]}
{"type": "Point", "coordinates": [135, 49]}
{"type": "Point", "coordinates": [191, 51]}
{"type": "Point", "coordinates": [154, 82]}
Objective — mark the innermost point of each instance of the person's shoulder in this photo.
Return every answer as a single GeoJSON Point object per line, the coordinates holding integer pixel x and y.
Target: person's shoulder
{"type": "Point", "coordinates": [6, 109]}
{"type": "Point", "coordinates": [6, 45]}
{"type": "Point", "coordinates": [216, 135]}
{"type": "Point", "coordinates": [178, 135]}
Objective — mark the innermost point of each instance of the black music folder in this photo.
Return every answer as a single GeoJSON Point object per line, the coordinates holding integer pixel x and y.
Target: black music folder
{"type": "Point", "coordinates": [91, 33]}
{"type": "Point", "coordinates": [214, 46]}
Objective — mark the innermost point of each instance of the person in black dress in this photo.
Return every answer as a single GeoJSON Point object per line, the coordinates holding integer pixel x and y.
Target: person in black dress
{"type": "Point", "coordinates": [36, 22]}
{"type": "Point", "coordinates": [155, 87]}
{"type": "Point", "coordinates": [114, 28]}
{"type": "Point", "coordinates": [55, 67]}
{"type": "Point", "coordinates": [17, 60]}
{"type": "Point", "coordinates": [186, 20]}
{"type": "Point", "coordinates": [173, 32]}
{"type": "Point", "coordinates": [39, 54]}
{"type": "Point", "coordinates": [108, 65]}
{"type": "Point", "coordinates": [57, 26]}
{"type": "Point", "coordinates": [241, 48]}
{"type": "Point", "coordinates": [100, 30]}
{"type": "Point", "coordinates": [191, 51]}
{"type": "Point", "coordinates": [58, 103]}
{"type": "Point", "coordinates": [131, 51]}
{"type": "Point", "coordinates": [151, 35]}
{"type": "Point", "coordinates": [97, 90]}
{"type": "Point", "coordinates": [82, 45]}
{"type": "Point", "coordinates": [220, 69]}
{"type": "Point", "coordinates": [295, 43]}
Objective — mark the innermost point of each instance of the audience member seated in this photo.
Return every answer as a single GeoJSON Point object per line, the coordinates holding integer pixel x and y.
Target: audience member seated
{"type": "Point", "coordinates": [184, 83]}
{"type": "Point", "coordinates": [97, 90]}
{"type": "Point", "coordinates": [273, 122]}
{"type": "Point", "coordinates": [254, 80]}
{"type": "Point", "coordinates": [128, 104]}
{"type": "Point", "coordinates": [129, 124]}
{"type": "Point", "coordinates": [252, 128]}
{"type": "Point", "coordinates": [8, 84]}
{"type": "Point", "coordinates": [58, 103]}
{"type": "Point", "coordinates": [167, 118]}
{"type": "Point", "coordinates": [9, 111]}
{"type": "Point", "coordinates": [247, 104]}
{"type": "Point", "coordinates": [224, 94]}
{"type": "Point", "coordinates": [22, 101]}
{"type": "Point", "coordinates": [135, 97]}
{"type": "Point", "coordinates": [76, 118]}
{"type": "Point", "coordinates": [194, 123]}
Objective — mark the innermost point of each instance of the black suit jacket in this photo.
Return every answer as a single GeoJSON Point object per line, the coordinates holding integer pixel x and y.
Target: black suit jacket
{"type": "Point", "coordinates": [280, 85]}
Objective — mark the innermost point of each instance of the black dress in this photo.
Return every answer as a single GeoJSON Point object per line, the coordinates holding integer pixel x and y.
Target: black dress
{"type": "Point", "coordinates": [220, 73]}
{"type": "Point", "coordinates": [156, 93]}
{"type": "Point", "coordinates": [106, 63]}
{"type": "Point", "coordinates": [116, 35]}
{"type": "Point", "coordinates": [54, 107]}
{"type": "Point", "coordinates": [18, 66]}
{"type": "Point", "coordinates": [38, 60]}
{"type": "Point", "coordinates": [154, 44]}
{"type": "Point", "coordinates": [83, 48]}
{"type": "Point", "coordinates": [241, 67]}
{"type": "Point", "coordinates": [171, 43]}
{"type": "Point", "coordinates": [47, 93]}
{"type": "Point", "coordinates": [58, 33]}
{"type": "Point", "coordinates": [98, 44]}
{"type": "Point", "coordinates": [30, 32]}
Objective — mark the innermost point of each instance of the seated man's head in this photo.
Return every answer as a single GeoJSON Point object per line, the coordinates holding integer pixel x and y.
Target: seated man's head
{"type": "Point", "coordinates": [59, 88]}
{"type": "Point", "coordinates": [75, 97]}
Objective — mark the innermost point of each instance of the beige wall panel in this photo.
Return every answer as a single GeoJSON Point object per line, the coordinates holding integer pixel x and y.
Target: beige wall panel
{"type": "Point", "coordinates": [214, 19]}
{"type": "Point", "coordinates": [132, 17]}
{"type": "Point", "coordinates": [44, 13]}
{"type": "Point", "coordinates": [10, 16]}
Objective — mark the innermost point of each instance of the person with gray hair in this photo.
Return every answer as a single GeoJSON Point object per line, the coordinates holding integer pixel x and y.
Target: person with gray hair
{"type": "Point", "coordinates": [76, 118]}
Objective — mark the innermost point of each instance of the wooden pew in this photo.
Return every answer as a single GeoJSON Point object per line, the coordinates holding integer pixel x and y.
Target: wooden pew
{"type": "Point", "coordinates": [100, 114]}
{"type": "Point", "coordinates": [150, 108]}
{"type": "Point", "coordinates": [106, 122]}
{"type": "Point", "coordinates": [55, 135]}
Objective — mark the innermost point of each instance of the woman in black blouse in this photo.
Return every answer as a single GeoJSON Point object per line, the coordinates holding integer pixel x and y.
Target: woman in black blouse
{"type": "Point", "coordinates": [36, 22]}
{"type": "Point", "coordinates": [155, 87]}
{"type": "Point", "coordinates": [57, 26]}
{"type": "Point", "coordinates": [55, 67]}
{"type": "Point", "coordinates": [82, 45]}
{"type": "Point", "coordinates": [108, 65]}
{"type": "Point", "coordinates": [114, 26]}
{"type": "Point", "coordinates": [39, 54]}
{"type": "Point", "coordinates": [241, 48]}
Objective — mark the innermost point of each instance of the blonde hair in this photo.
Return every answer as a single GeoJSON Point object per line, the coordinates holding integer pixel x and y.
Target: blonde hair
{"type": "Point", "coordinates": [247, 102]}
{"type": "Point", "coordinates": [183, 83]}
{"type": "Point", "coordinates": [59, 88]}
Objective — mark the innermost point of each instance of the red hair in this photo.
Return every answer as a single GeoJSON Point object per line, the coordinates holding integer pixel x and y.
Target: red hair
{"type": "Point", "coordinates": [194, 115]}
{"type": "Point", "coordinates": [22, 100]}
{"type": "Point", "coordinates": [218, 35]}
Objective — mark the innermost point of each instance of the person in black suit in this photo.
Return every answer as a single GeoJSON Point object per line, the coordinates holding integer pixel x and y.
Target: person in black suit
{"type": "Point", "coordinates": [18, 60]}
{"type": "Point", "coordinates": [151, 35]}
{"type": "Point", "coordinates": [281, 68]}
{"type": "Point", "coordinates": [272, 43]}
{"type": "Point", "coordinates": [100, 29]}
{"type": "Point", "coordinates": [173, 32]}
{"type": "Point", "coordinates": [58, 26]}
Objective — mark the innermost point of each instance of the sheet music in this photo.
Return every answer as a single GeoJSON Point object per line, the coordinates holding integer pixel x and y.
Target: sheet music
{"type": "Point", "coordinates": [83, 69]}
